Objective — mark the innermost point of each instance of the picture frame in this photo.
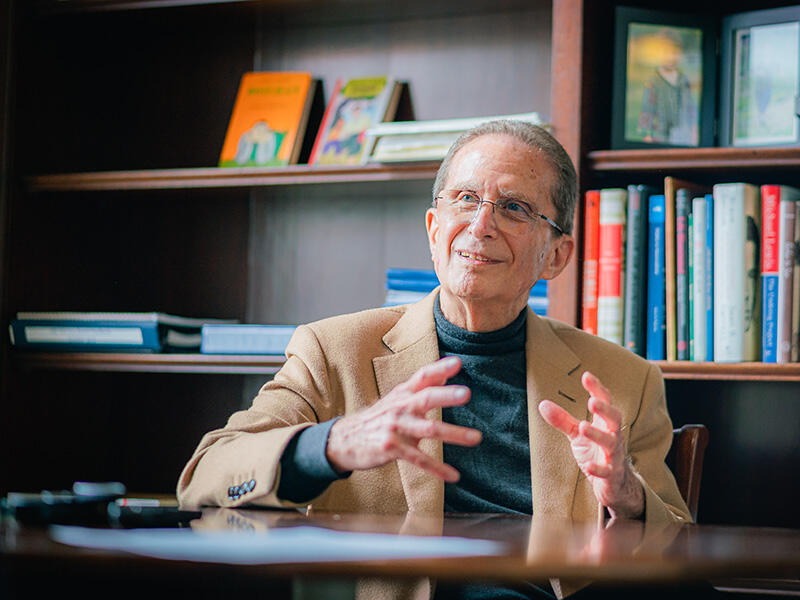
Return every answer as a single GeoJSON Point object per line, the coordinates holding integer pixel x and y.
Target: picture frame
{"type": "Point", "coordinates": [759, 103]}
{"type": "Point", "coordinates": [664, 79]}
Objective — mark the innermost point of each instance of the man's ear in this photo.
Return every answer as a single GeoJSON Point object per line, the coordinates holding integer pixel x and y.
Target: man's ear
{"type": "Point", "coordinates": [432, 227]}
{"type": "Point", "coordinates": [558, 256]}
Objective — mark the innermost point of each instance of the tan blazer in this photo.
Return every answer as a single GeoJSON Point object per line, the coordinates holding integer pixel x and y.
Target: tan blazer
{"type": "Point", "coordinates": [339, 365]}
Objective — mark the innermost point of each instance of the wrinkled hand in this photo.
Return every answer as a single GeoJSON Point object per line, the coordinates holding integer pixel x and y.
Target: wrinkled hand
{"type": "Point", "coordinates": [392, 428]}
{"type": "Point", "coordinates": [598, 448]}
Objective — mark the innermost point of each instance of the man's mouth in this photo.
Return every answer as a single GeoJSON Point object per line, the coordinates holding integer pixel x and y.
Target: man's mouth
{"type": "Point", "coordinates": [474, 256]}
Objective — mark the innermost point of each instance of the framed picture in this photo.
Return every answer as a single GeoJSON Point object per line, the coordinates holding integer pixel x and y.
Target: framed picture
{"type": "Point", "coordinates": [760, 54]}
{"type": "Point", "coordinates": [664, 80]}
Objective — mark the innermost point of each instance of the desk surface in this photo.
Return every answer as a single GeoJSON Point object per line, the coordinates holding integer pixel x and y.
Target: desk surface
{"type": "Point", "coordinates": [532, 550]}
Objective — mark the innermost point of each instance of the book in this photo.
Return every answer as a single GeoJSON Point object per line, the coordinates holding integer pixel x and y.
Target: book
{"type": "Point", "coordinates": [690, 256]}
{"type": "Point", "coordinates": [106, 331]}
{"type": "Point", "coordinates": [671, 186]}
{"type": "Point", "coordinates": [591, 249]}
{"type": "Point", "coordinates": [354, 106]}
{"type": "Point", "coordinates": [270, 119]}
{"type": "Point", "coordinates": [636, 268]}
{"type": "Point", "coordinates": [245, 339]}
{"type": "Point", "coordinates": [709, 269]}
{"type": "Point", "coordinates": [611, 265]}
{"type": "Point", "coordinates": [795, 351]}
{"type": "Point", "coordinates": [737, 323]}
{"type": "Point", "coordinates": [656, 302]}
{"type": "Point", "coordinates": [405, 286]}
{"type": "Point", "coordinates": [698, 279]}
{"type": "Point", "coordinates": [682, 210]}
{"type": "Point", "coordinates": [778, 205]}
{"type": "Point", "coordinates": [402, 141]}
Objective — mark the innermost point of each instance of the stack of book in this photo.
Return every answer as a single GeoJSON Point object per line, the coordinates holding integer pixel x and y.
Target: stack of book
{"type": "Point", "coordinates": [69, 331]}
{"type": "Point", "coordinates": [405, 141]}
{"type": "Point", "coordinates": [245, 339]}
{"type": "Point", "coordinates": [678, 272]}
{"type": "Point", "coordinates": [404, 286]}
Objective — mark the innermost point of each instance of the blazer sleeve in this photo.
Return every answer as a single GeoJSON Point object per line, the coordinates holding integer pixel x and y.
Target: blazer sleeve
{"type": "Point", "coordinates": [649, 441]}
{"type": "Point", "coordinates": [240, 463]}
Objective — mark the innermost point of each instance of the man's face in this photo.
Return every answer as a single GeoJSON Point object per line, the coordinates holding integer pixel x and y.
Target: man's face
{"type": "Point", "coordinates": [479, 260]}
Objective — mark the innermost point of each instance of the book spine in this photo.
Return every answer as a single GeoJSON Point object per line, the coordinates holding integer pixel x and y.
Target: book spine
{"type": "Point", "coordinates": [770, 200]}
{"type": "Point", "coordinates": [92, 336]}
{"type": "Point", "coordinates": [682, 274]}
{"type": "Point", "coordinates": [699, 279]}
{"type": "Point", "coordinates": [690, 279]}
{"type": "Point", "coordinates": [786, 250]}
{"type": "Point", "coordinates": [709, 268]}
{"type": "Point", "coordinates": [737, 327]}
{"type": "Point", "coordinates": [591, 250]}
{"type": "Point", "coordinates": [656, 323]}
{"type": "Point", "coordinates": [670, 269]}
{"type": "Point", "coordinates": [611, 271]}
{"type": "Point", "coordinates": [795, 351]}
{"type": "Point", "coordinates": [636, 270]}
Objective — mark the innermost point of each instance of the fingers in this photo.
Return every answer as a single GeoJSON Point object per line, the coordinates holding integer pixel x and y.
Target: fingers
{"type": "Point", "coordinates": [559, 418]}
{"type": "Point", "coordinates": [439, 397]}
{"type": "Point", "coordinates": [434, 374]}
{"type": "Point", "coordinates": [436, 468]}
{"type": "Point", "coordinates": [606, 415]}
{"type": "Point", "coordinates": [447, 433]}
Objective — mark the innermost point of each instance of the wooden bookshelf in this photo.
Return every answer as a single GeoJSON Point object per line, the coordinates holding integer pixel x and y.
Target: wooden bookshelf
{"type": "Point", "coordinates": [152, 363]}
{"type": "Point", "coordinates": [694, 159]}
{"type": "Point", "coordinates": [165, 179]}
{"type": "Point", "coordinates": [263, 364]}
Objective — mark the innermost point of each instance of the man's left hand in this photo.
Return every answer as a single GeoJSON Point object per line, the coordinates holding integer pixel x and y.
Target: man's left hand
{"type": "Point", "coordinates": [599, 450]}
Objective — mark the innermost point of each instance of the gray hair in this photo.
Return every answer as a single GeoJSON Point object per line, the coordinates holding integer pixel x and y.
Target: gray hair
{"type": "Point", "coordinates": [565, 190]}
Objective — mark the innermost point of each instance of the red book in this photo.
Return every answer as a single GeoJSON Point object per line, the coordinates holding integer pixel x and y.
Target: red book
{"type": "Point", "coordinates": [611, 264]}
{"type": "Point", "coordinates": [591, 249]}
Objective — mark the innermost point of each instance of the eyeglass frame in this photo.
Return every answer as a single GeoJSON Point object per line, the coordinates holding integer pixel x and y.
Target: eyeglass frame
{"type": "Point", "coordinates": [481, 202]}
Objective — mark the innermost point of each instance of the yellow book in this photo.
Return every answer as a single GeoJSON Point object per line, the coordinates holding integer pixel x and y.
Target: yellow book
{"type": "Point", "coordinates": [355, 106]}
{"type": "Point", "coordinates": [269, 119]}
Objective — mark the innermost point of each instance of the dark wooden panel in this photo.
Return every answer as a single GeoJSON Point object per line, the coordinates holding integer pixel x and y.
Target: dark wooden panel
{"type": "Point", "coordinates": [175, 252]}
{"type": "Point", "coordinates": [129, 90]}
{"type": "Point", "coordinates": [134, 428]}
{"type": "Point", "coordinates": [753, 450]}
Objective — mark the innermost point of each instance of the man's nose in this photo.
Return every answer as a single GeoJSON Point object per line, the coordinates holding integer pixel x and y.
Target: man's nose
{"type": "Point", "coordinates": [484, 219]}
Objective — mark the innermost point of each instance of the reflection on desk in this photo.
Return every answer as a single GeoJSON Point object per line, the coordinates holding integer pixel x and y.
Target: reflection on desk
{"type": "Point", "coordinates": [490, 547]}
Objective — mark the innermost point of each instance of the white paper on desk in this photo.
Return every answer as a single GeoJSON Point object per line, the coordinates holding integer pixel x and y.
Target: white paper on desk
{"type": "Point", "coordinates": [281, 545]}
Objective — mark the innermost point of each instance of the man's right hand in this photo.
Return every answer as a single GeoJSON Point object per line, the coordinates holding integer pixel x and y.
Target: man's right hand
{"type": "Point", "coordinates": [392, 428]}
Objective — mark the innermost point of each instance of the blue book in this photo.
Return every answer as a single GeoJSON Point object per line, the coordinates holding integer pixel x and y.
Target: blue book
{"type": "Point", "coordinates": [245, 339]}
{"type": "Point", "coordinates": [656, 292]}
{"type": "Point", "coordinates": [105, 332]}
{"type": "Point", "coordinates": [709, 254]}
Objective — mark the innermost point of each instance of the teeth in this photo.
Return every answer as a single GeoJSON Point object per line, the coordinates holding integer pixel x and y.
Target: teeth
{"type": "Point", "coordinates": [472, 256]}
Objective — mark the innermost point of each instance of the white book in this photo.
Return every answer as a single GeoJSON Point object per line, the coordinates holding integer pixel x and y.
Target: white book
{"type": "Point", "coordinates": [699, 278]}
{"type": "Point", "coordinates": [737, 225]}
{"type": "Point", "coordinates": [789, 197]}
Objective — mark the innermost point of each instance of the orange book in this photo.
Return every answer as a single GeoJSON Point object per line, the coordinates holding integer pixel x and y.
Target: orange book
{"type": "Point", "coordinates": [269, 119]}
{"type": "Point", "coordinates": [591, 250]}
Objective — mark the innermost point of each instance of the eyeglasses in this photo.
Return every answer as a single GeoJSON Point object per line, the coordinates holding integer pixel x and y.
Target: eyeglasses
{"type": "Point", "coordinates": [510, 214]}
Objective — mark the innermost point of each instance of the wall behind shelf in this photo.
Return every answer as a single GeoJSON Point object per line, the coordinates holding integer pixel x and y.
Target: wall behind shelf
{"type": "Point", "coordinates": [483, 62]}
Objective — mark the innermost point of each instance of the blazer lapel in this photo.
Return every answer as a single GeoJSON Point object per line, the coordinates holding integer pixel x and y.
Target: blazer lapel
{"type": "Point", "coordinates": [414, 344]}
{"type": "Point", "coordinates": [553, 373]}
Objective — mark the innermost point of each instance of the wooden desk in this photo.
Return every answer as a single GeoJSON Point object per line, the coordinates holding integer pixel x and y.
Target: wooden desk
{"type": "Point", "coordinates": [623, 553]}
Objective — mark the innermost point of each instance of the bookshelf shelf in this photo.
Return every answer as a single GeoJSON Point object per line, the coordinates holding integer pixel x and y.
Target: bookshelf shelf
{"type": "Point", "coordinates": [152, 363]}
{"type": "Point", "coordinates": [261, 364]}
{"type": "Point", "coordinates": [163, 179]}
{"type": "Point", "coordinates": [694, 159]}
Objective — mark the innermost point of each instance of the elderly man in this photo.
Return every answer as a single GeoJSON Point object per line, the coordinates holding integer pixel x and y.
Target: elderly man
{"type": "Point", "coordinates": [465, 401]}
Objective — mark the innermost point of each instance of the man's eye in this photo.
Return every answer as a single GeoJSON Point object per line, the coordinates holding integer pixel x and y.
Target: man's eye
{"type": "Point", "coordinates": [516, 207]}
{"type": "Point", "coordinates": [468, 198]}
